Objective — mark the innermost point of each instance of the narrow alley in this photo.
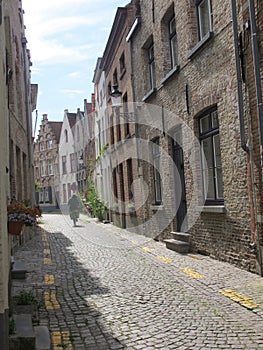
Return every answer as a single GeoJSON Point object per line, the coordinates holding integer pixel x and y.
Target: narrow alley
{"type": "Point", "coordinates": [102, 288]}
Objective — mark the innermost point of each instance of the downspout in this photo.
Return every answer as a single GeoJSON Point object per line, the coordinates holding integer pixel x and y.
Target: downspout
{"type": "Point", "coordinates": [255, 54]}
{"type": "Point", "coordinates": [129, 39]}
{"type": "Point", "coordinates": [241, 119]}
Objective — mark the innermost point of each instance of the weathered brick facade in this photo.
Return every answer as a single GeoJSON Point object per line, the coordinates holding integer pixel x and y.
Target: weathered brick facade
{"type": "Point", "coordinates": [121, 127]}
{"type": "Point", "coordinates": [203, 78]}
{"type": "Point", "coordinates": [17, 101]}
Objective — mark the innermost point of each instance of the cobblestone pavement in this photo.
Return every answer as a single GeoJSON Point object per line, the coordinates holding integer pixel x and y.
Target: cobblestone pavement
{"type": "Point", "coordinates": [106, 288]}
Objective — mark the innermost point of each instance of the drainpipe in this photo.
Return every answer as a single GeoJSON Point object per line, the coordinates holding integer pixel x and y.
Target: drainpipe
{"type": "Point", "coordinates": [239, 78]}
{"type": "Point", "coordinates": [241, 122]}
{"type": "Point", "coordinates": [255, 54]}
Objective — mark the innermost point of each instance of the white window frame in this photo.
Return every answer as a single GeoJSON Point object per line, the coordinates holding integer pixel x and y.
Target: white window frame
{"type": "Point", "coordinates": [200, 15]}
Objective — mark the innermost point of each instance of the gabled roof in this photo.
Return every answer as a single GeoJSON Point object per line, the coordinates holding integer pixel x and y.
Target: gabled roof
{"type": "Point", "coordinates": [72, 119]}
{"type": "Point", "coordinates": [56, 128]}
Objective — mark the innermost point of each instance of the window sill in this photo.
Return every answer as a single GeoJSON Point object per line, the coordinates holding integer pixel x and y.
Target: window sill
{"type": "Point", "coordinates": [200, 45]}
{"type": "Point", "coordinates": [218, 209]}
{"type": "Point", "coordinates": [170, 74]}
{"type": "Point", "coordinates": [157, 207]}
{"type": "Point", "coordinates": [149, 94]}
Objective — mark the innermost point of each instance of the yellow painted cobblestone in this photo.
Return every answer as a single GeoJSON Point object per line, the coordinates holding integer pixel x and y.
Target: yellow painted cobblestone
{"type": "Point", "coordinates": [49, 279]}
{"type": "Point", "coordinates": [192, 273]}
{"type": "Point", "coordinates": [239, 298]}
{"type": "Point", "coordinates": [61, 340]}
{"type": "Point", "coordinates": [146, 249]}
{"type": "Point", "coordinates": [51, 302]}
{"type": "Point", "coordinates": [164, 259]}
{"type": "Point", "coordinates": [47, 261]}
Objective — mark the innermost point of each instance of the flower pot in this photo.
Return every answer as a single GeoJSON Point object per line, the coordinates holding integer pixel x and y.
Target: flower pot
{"type": "Point", "coordinates": [15, 227]}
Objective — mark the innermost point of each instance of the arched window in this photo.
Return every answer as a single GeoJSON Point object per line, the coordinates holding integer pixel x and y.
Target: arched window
{"type": "Point", "coordinates": [66, 135]}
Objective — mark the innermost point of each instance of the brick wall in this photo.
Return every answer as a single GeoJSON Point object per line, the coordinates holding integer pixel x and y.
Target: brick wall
{"type": "Point", "coordinates": [206, 77]}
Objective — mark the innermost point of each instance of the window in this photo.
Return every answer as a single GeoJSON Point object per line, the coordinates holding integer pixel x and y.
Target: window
{"type": "Point", "coordinates": [203, 17]}
{"type": "Point", "coordinates": [130, 179]}
{"type": "Point", "coordinates": [211, 157]}
{"type": "Point", "coordinates": [49, 143]}
{"type": "Point", "coordinates": [64, 193]}
{"type": "Point", "coordinates": [173, 42]}
{"type": "Point", "coordinates": [156, 171]}
{"type": "Point", "coordinates": [151, 67]}
{"type": "Point", "coordinates": [118, 126]}
{"type": "Point", "coordinates": [41, 195]}
{"type": "Point", "coordinates": [115, 77]}
{"type": "Point", "coordinates": [42, 168]}
{"type": "Point", "coordinates": [126, 115]}
{"type": "Point", "coordinates": [66, 135]}
{"type": "Point", "coordinates": [69, 190]}
{"type": "Point", "coordinates": [64, 164]}
{"type": "Point", "coordinates": [72, 162]}
{"type": "Point", "coordinates": [41, 146]}
{"type": "Point", "coordinates": [46, 195]}
{"type": "Point", "coordinates": [114, 183]}
{"type": "Point", "coordinates": [78, 133]}
{"type": "Point", "coordinates": [112, 130]}
{"type": "Point", "coordinates": [122, 63]}
{"type": "Point", "coordinates": [49, 166]}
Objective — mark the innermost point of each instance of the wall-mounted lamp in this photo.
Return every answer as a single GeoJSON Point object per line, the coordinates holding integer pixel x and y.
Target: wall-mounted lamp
{"type": "Point", "coordinates": [116, 96]}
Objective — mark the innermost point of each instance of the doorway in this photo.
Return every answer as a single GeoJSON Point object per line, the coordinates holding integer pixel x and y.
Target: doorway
{"type": "Point", "coordinates": [179, 181]}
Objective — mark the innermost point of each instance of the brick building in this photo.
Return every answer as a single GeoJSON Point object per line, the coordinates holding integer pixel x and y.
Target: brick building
{"type": "Point", "coordinates": [17, 100]}
{"type": "Point", "coordinates": [121, 170]}
{"type": "Point", "coordinates": [45, 162]}
{"type": "Point", "coordinates": [198, 177]}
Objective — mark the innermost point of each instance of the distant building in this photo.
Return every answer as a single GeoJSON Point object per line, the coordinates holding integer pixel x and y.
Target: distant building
{"type": "Point", "coordinates": [46, 164]}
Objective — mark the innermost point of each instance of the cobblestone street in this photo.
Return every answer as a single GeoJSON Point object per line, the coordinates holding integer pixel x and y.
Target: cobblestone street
{"type": "Point", "coordinates": [106, 288]}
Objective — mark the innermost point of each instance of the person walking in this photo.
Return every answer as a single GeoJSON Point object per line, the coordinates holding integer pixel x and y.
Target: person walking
{"type": "Point", "coordinates": [74, 209]}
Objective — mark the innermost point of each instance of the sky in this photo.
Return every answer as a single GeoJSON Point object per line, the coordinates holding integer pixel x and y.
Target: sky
{"type": "Point", "coordinates": [65, 38]}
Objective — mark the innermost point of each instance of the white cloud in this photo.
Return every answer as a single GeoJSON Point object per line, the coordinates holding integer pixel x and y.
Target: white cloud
{"type": "Point", "coordinates": [75, 75]}
{"type": "Point", "coordinates": [72, 92]}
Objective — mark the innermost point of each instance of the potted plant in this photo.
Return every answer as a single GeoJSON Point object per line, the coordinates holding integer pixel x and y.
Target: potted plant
{"type": "Point", "coordinates": [19, 215]}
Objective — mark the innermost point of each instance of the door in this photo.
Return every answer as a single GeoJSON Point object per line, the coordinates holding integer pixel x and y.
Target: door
{"type": "Point", "coordinates": [122, 214]}
{"type": "Point", "coordinates": [180, 195]}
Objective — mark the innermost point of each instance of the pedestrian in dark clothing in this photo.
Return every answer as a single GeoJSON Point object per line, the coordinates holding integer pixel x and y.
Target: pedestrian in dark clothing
{"type": "Point", "coordinates": [74, 208]}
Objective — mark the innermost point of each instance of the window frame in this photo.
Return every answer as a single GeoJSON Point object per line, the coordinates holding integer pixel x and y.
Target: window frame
{"type": "Point", "coordinates": [64, 165]}
{"type": "Point", "coordinates": [173, 43]}
{"type": "Point", "coordinates": [210, 134]}
{"type": "Point", "coordinates": [151, 65]}
{"type": "Point", "coordinates": [202, 35]}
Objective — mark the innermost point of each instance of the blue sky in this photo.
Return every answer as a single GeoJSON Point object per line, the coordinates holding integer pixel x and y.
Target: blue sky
{"type": "Point", "coordinates": [65, 39]}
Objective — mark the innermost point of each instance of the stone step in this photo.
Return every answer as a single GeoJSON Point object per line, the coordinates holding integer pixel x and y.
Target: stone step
{"type": "Point", "coordinates": [24, 333]}
{"type": "Point", "coordinates": [27, 337]}
{"type": "Point", "coordinates": [18, 270]}
{"type": "Point", "coordinates": [177, 246]}
{"type": "Point", "coordinates": [181, 236]}
{"type": "Point", "coordinates": [43, 341]}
